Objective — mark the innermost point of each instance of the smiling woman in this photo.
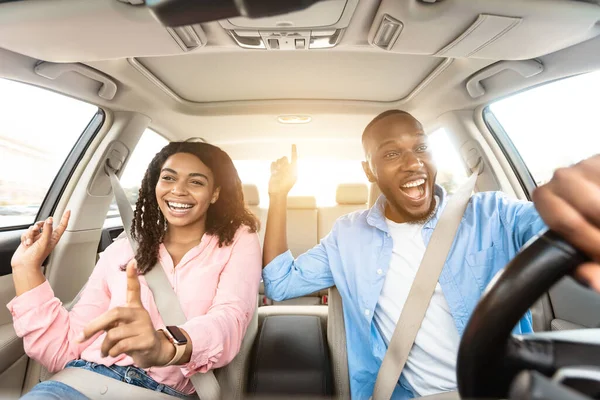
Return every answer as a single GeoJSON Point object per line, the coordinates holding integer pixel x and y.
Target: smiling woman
{"type": "Point", "coordinates": [185, 189]}
{"type": "Point", "coordinates": [192, 186]}
{"type": "Point", "coordinates": [190, 220]}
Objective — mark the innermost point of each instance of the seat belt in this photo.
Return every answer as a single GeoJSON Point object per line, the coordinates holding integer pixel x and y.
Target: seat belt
{"type": "Point", "coordinates": [421, 291]}
{"type": "Point", "coordinates": [169, 308]}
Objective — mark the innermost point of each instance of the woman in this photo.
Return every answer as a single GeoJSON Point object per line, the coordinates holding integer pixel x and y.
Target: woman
{"type": "Point", "coordinates": [190, 216]}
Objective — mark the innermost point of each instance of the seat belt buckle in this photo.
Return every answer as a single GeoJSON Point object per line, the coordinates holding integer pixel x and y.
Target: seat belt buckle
{"type": "Point", "coordinates": [324, 299]}
{"type": "Point", "coordinates": [265, 301]}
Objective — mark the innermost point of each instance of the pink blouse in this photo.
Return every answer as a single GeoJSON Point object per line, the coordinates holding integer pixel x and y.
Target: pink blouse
{"type": "Point", "coordinates": [217, 288]}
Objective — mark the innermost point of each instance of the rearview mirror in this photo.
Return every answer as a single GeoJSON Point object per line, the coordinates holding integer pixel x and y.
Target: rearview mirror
{"type": "Point", "coordinates": [174, 13]}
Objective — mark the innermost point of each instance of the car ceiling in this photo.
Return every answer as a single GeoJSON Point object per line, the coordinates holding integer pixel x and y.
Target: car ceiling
{"type": "Point", "coordinates": [232, 96]}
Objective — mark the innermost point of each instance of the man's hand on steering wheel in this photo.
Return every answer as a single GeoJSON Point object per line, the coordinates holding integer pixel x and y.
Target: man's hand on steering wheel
{"type": "Point", "coordinates": [570, 205]}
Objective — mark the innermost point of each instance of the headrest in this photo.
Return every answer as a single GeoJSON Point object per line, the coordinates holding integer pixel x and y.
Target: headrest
{"type": "Point", "coordinates": [251, 196]}
{"type": "Point", "coordinates": [352, 193]}
{"type": "Point", "coordinates": [301, 202]}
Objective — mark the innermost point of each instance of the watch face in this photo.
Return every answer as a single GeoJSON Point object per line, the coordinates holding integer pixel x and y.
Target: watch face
{"type": "Point", "coordinates": [177, 334]}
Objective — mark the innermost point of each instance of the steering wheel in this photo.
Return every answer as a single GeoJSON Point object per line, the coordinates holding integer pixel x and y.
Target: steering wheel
{"type": "Point", "coordinates": [489, 358]}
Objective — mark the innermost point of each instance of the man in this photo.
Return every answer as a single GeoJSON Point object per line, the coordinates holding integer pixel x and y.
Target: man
{"type": "Point", "coordinates": [372, 256]}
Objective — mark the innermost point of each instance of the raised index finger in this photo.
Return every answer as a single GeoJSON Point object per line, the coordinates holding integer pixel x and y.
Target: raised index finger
{"type": "Point", "coordinates": [134, 295]}
{"type": "Point", "coordinates": [294, 154]}
{"type": "Point", "coordinates": [60, 229]}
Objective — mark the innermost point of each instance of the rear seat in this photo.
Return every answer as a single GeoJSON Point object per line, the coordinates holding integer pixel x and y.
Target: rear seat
{"type": "Point", "coordinates": [301, 224]}
{"type": "Point", "coordinates": [349, 197]}
{"type": "Point", "coordinates": [306, 225]}
{"type": "Point", "coordinates": [252, 200]}
{"type": "Point", "coordinates": [302, 219]}
{"type": "Point", "coordinates": [302, 235]}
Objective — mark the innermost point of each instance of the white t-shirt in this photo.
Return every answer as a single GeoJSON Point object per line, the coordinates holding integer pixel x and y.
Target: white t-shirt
{"type": "Point", "coordinates": [431, 365]}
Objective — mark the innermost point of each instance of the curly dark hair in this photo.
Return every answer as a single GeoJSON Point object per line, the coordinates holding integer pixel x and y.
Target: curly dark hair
{"type": "Point", "coordinates": [223, 218]}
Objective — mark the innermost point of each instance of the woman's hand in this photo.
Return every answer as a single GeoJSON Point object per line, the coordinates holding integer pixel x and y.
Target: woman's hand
{"type": "Point", "coordinates": [38, 242]}
{"type": "Point", "coordinates": [129, 329]}
{"type": "Point", "coordinates": [570, 205]}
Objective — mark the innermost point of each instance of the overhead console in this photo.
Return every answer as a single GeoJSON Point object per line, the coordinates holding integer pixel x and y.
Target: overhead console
{"type": "Point", "coordinates": [317, 27]}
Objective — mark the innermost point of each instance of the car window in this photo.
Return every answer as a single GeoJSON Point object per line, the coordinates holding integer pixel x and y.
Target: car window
{"type": "Point", "coordinates": [450, 167]}
{"type": "Point", "coordinates": [149, 144]}
{"type": "Point", "coordinates": [38, 129]}
{"type": "Point", "coordinates": [551, 126]}
{"type": "Point", "coordinates": [320, 177]}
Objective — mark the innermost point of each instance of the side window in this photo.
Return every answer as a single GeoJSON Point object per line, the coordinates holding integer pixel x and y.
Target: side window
{"type": "Point", "coordinates": [149, 144]}
{"type": "Point", "coordinates": [38, 130]}
{"type": "Point", "coordinates": [551, 126]}
{"type": "Point", "coordinates": [450, 167]}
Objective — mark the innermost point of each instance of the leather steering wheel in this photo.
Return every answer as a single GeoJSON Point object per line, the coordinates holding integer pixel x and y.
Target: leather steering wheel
{"type": "Point", "coordinates": [482, 370]}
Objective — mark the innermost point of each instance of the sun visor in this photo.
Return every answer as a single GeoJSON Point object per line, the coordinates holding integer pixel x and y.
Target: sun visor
{"type": "Point", "coordinates": [490, 30]}
{"type": "Point", "coordinates": [484, 31]}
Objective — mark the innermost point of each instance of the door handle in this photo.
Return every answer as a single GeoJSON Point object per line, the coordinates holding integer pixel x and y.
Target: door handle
{"type": "Point", "coordinates": [526, 68]}
{"type": "Point", "coordinates": [49, 70]}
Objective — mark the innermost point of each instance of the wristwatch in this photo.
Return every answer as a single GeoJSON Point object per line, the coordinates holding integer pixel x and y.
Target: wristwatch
{"type": "Point", "coordinates": [178, 339]}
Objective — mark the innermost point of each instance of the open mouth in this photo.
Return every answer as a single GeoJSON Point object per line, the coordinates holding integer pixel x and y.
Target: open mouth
{"type": "Point", "coordinates": [178, 208]}
{"type": "Point", "coordinates": [415, 189]}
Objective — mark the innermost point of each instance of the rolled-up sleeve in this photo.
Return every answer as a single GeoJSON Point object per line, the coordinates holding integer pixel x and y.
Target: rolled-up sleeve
{"type": "Point", "coordinates": [287, 278]}
{"type": "Point", "coordinates": [521, 218]}
{"type": "Point", "coordinates": [48, 329]}
{"type": "Point", "coordinates": [217, 336]}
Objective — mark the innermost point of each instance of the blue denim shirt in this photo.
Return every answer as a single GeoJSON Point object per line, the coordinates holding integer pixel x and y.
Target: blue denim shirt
{"type": "Point", "coordinates": [493, 229]}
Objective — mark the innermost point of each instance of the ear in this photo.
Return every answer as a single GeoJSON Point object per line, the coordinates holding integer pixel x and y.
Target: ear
{"type": "Point", "coordinates": [368, 172]}
{"type": "Point", "coordinates": [215, 195]}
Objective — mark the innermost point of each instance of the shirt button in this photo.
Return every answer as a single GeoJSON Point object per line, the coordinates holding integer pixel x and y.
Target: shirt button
{"type": "Point", "coordinates": [367, 312]}
{"type": "Point", "coordinates": [379, 271]}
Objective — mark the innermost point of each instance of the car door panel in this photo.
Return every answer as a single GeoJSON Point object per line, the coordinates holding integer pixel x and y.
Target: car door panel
{"type": "Point", "coordinates": [9, 241]}
{"type": "Point", "coordinates": [575, 304]}
{"type": "Point", "coordinates": [11, 346]}
{"type": "Point", "coordinates": [11, 380]}
{"type": "Point", "coordinates": [13, 360]}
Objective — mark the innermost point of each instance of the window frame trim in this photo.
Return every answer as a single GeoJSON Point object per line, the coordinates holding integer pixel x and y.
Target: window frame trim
{"type": "Point", "coordinates": [510, 151]}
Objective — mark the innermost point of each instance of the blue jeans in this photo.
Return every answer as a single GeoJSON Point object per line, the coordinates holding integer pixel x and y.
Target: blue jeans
{"type": "Point", "coordinates": [134, 376]}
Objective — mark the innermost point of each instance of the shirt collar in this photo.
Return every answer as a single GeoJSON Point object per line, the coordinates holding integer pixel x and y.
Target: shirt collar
{"type": "Point", "coordinates": [376, 215]}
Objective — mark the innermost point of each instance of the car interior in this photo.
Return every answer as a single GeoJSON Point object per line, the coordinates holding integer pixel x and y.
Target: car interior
{"type": "Point", "coordinates": [499, 83]}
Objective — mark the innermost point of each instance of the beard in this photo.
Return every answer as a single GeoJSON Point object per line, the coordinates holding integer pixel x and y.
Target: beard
{"type": "Point", "coordinates": [425, 217]}
{"type": "Point", "coordinates": [419, 219]}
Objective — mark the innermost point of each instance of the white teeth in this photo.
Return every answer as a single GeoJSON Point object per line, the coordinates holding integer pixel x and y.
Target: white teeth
{"type": "Point", "coordinates": [179, 205]}
{"type": "Point", "coordinates": [416, 183]}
